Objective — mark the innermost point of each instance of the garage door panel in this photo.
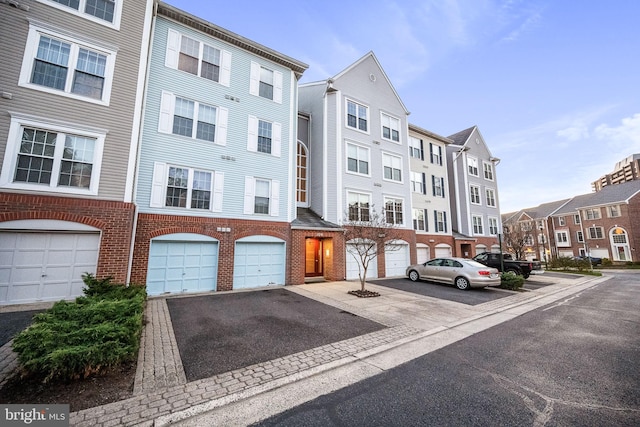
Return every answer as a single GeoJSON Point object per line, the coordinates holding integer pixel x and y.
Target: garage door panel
{"type": "Point", "coordinates": [258, 264]}
{"type": "Point", "coordinates": [396, 260]}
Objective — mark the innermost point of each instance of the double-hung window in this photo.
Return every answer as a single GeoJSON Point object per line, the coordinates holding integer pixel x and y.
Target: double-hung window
{"type": "Point", "coordinates": [261, 196]}
{"type": "Point", "coordinates": [357, 159]}
{"type": "Point", "coordinates": [198, 58]}
{"type": "Point", "coordinates": [491, 197]}
{"type": "Point", "coordinates": [593, 213]}
{"type": "Point", "coordinates": [472, 164]}
{"type": "Point", "coordinates": [264, 136]}
{"type": "Point", "coordinates": [493, 226]}
{"type": "Point", "coordinates": [576, 219]}
{"type": "Point", "coordinates": [185, 187]}
{"type": "Point", "coordinates": [418, 182]}
{"type": "Point", "coordinates": [359, 206]}
{"type": "Point", "coordinates": [390, 128]}
{"type": "Point", "coordinates": [440, 221]}
{"type": "Point", "coordinates": [595, 232]}
{"type": "Point", "coordinates": [474, 192]}
{"type": "Point", "coordinates": [393, 210]}
{"type": "Point", "coordinates": [435, 152]}
{"type": "Point", "coordinates": [51, 157]}
{"type": "Point", "coordinates": [419, 217]}
{"type": "Point", "coordinates": [613, 211]}
{"type": "Point", "coordinates": [579, 237]}
{"type": "Point", "coordinates": [476, 221]}
{"type": "Point", "coordinates": [193, 119]}
{"type": "Point", "coordinates": [357, 116]}
{"type": "Point", "coordinates": [102, 11]}
{"type": "Point", "coordinates": [266, 83]}
{"type": "Point", "coordinates": [416, 148]}
{"type": "Point", "coordinates": [392, 167]}
{"type": "Point", "coordinates": [437, 184]}
{"type": "Point", "coordinates": [488, 171]}
{"type": "Point", "coordinates": [59, 64]}
{"type": "Point", "coordinates": [562, 237]}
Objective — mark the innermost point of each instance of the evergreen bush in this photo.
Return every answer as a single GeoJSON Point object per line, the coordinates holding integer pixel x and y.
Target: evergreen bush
{"type": "Point", "coordinates": [511, 281]}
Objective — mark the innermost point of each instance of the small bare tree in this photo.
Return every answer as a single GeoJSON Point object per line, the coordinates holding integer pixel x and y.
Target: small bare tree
{"type": "Point", "coordinates": [369, 234]}
{"type": "Point", "coordinates": [517, 236]}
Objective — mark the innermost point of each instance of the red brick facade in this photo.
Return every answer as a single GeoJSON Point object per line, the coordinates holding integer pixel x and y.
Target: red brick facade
{"type": "Point", "coordinates": [113, 219]}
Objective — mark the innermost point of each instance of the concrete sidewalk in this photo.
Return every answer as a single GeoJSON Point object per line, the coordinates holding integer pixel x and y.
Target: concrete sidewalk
{"type": "Point", "coordinates": [415, 325]}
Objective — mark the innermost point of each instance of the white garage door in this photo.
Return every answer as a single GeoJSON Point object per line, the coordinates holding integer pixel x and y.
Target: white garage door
{"type": "Point", "coordinates": [258, 262]}
{"type": "Point", "coordinates": [423, 254]}
{"type": "Point", "coordinates": [396, 260]}
{"type": "Point", "coordinates": [352, 265]}
{"type": "Point", "coordinates": [443, 251]}
{"type": "Point", "coordinates": [40, 266]}
{"type": "Point", "coordinates": [600, 253]}
{"type": "Point", "coordinates": [179, 266]}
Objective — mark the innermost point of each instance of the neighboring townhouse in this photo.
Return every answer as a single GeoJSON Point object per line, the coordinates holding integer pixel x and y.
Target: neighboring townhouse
{"type": "Point", "coordinates": [431, 211]}
{"type": "Point", "coordinates": [71, 85]}
{"type": "Point", "coordinates": [474, 194]}
{"type": "Point", "coordinates": [604, 224]}
{"type": "Point", "coordinates": [627, 169]}
{"type": "Point", "coordinates": [215, 187]}
{"type": "Point", "coordinates": [358, 162]}
{"type": "Point", "coordinates": [536, 222]}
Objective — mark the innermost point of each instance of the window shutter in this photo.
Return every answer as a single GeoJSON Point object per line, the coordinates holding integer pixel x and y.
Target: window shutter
{"type": "Point", "coordinates": [435, 221]}
{"type": "Point", "coordinates": [249, 194]}
{"type": "Point", "coordinates": [274, 204]}
{"type": "Point", "coordinates": [431, 152]}
{"type": "Point", "coordinates": [167, 104]}
{"type": "Point", "coordinates": [442, 186]}
{"type": "Point", "coordinates": [158, 183]}
{"type": "Point", "coordinates": [254, 79]}
{"type": "Point", "coordinates": [218, 186]}
{"type": "Point", "coordinates": [252, 132]}
{"type": "Point", "coordinates": [173, 49]}
{"type": "Point", "coordinates": [426, 220]}
{"type": "Point", "coordinates": [433, 184]}
{"type": "Point", "coordinates": [421, 150]}
{"type": "Point", "coordinates": [424, 183]}
{"type": "Point", "coordinates": [276, 143]}
{"type": "Point", "coordinates": [440, 155]}
{"type": "Point", "coordinates": [225, 68]}
{"type": "Point", "coordinates": [277, 87]}
{"type": "Point", "coordinates": [444, 219]}
{"type": "Point", "coordinates": [221, 126]}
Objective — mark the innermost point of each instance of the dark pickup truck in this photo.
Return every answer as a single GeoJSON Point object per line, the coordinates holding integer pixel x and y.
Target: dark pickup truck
{"type": "Point", "coordinates": [521, 268]}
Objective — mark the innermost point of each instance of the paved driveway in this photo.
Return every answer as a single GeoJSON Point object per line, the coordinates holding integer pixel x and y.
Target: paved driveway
{"type": "Point", "coordinates": [14, 322]}
{"type": "Point", "coordinates": [473, 296]}
{"type": "Point", "coordinates": [220, 333]}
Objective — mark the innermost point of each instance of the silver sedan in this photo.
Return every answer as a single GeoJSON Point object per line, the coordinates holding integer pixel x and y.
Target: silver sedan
{"type": "Point", "coordinates": [462, 272]}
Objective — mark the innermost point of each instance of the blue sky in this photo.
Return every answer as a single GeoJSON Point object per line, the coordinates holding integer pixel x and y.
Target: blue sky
{"type": "Point", "coordinates": [553, 85]}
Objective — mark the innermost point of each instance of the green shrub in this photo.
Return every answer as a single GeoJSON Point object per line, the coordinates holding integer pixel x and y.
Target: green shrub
{"type": "Point", "coordinates": [511, 281]}
{"type": "Point", "coordinates": [76, 339]}
{"type": "Point", "coordinates": [606, 262]}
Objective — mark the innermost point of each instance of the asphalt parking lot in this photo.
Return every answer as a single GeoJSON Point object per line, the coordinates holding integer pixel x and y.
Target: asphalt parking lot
{"type": "Point", "coordinates": [220, 333]}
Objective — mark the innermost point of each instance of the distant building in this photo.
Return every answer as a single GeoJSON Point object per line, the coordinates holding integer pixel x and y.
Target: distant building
{"type": "Point", "coordinates": [626, 170]}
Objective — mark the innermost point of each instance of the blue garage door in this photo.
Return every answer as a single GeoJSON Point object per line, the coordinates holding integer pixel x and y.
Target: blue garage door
{"type": "Point", "coordinates": [258, 261]}
{"type": "Point", "coordinates": [179, 266]}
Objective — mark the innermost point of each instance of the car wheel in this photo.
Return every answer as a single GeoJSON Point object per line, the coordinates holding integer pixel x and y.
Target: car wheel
{"type": "Point", "coordinates": [462, 283]}
{"type": "Point", "coordinates": [526, 276]}
{"type": "Point", "coordinates": [414, 276]}
{"type": "Point", "coordinates": [516, 272]}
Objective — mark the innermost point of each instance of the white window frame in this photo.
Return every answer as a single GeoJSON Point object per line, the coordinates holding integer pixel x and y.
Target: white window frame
{"type": "Point", "coordinates": [435, 157]}
{"type": "Point", "coordinates": [478, 226]}
{"type": "Point", "coordinates": [490, 197]}
{"type": "Point", "coordinates": [117, 12]}
{"type": "Point", "coordinates": [474, 195]}
{"type": "Point", "coordinates": [254, 82]}
{"type": "Point", "coordinates": [31, 50]}
{"type": "Point", "coordinates": [393, 124]}
{"type": "Point", "coordinates": [562, 238]}
{"type": "Point", "coordinates": [596, 233]}
{"type": "Point", "coordinates": [613, 211]}
{"type": "Point", "coordinates": [437, 184]}
{"type": "Point", "coordinates": [416, 148]}
{"type": "Point", "coordinates": [493, 226]}
{"type": "Point", "coordinates": [561, 221]}
{"type": "Point", "coordinates": [417, 222]}
{"type": "Point", "coordinates": [393, 162]}
{"type": "Point", "coordinates": [593, 213]}
{"type": "Point", "coordinates": [440, 221]}
{"type": "Point", "coordinates": [359, 195]}
{"type": "Point", "coordinates": [276, 137]}
{"type": "Point", "coordinates": [159, 184]}
{"type": "Point", "coordinates": [250, 195]}
{"type": "Point", "coordinates": [172, 56]}
{"type": "Point", "coordinates": [487, 171]}
{"type": "Point", "coordinates": [395, 201]}
{"type": "Point", "coordinates": [472, 166]}
{"type": "Point", "coordinates": [418, 182]}
{"type": "Point", "coordinates": [346, 118]}
{"type": "Point", "coordinates": [576, 219]}
{"type": "Point", "coordinates": [359, 150]}
{"type": "Point", "coordinates": [18, 122]}
{"type": "Point", "coordinates": [579, 236]}
{"type": "Point", "coordinates": [167, 113]}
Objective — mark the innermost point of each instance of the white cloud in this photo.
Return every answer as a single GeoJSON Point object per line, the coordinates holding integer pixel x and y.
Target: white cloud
{"type": "Point", "coordinates": [574, 133]}
{"type": "Point", "coordinates": [625, 135]}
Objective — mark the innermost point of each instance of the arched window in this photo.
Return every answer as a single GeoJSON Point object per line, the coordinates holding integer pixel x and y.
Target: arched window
{"type": "Point", "coordinates": [620, 244]}
{"type": "Point", "coordinates": [302, 175]}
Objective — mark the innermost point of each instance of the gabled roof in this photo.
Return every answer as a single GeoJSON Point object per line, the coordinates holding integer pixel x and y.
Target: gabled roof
{"type": "Point", "coordinates": [206, 27]}
{"type": "Point", "coordinates": [306, 219]}
{"type": "Point", "coordinates": [542, 211]}
{"type": "Point", "coordinates": [461, 138]}
{"type": "Point", "coordinates": [430, 134]}
{"type": "Point", "coordinates": [618, 193]}
{"type": "Point", "coordinates": [370, 54]}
